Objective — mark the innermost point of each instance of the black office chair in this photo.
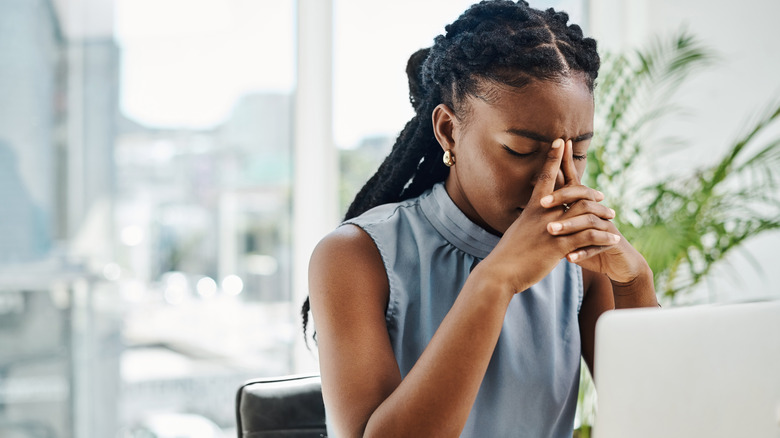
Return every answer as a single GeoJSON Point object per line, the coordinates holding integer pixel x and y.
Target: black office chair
{"type": "Point", "coordinates": [281, 407]}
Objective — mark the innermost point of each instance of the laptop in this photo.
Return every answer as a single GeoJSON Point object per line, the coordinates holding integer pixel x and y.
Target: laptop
{"type": "Point", "coordinates": [702, 371]}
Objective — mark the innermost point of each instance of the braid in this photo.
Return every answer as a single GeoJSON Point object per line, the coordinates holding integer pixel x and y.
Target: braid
{"type": "Point", "coordinates": [498, 41]}
{"type": "Point", "coordinates": [396, 170]}
{"type": "Point", "coordinates": [411, 160]}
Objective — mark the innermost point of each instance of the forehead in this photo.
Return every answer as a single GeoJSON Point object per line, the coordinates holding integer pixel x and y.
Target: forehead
{"type": "Point", "coordinates": [554, 109]}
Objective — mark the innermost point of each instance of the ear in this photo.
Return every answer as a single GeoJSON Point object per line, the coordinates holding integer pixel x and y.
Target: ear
{"type": "Point", "coordinates": [445, 126]}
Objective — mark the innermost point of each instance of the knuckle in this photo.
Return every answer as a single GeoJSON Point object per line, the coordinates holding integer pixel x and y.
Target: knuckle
{"type": "Point", "coordinates": [588, 203]}
{"type": "Point", "coordinates": [544, 176]}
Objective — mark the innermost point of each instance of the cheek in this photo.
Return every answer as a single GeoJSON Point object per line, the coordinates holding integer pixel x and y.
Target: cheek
{"type": "Point", "coordinates": [515, 178]}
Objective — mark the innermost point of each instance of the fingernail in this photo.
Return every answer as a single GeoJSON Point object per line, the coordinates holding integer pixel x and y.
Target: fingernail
{"type": "Point", "coordinates": [613, 212]}
{"type": "Point", "coordinates": [569, 143]}
{"type": "Point", "coordinates": [573, 256]}
{"type": "Point", "coordinates": [615, 238]}
{"type": "Point", "coordinates": [547, 200]}
{"type": "Point", "coordinates": [598, 192]}
{"type": "Point", "coordinates": [555, 227]}
{"type": "Point", "coordinates": [557, 143]}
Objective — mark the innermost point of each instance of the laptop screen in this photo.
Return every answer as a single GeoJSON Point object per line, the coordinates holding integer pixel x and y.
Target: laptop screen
{"type": "Point", "coordinates": [701, 371]}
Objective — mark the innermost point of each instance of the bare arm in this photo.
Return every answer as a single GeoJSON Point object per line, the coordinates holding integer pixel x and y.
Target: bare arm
{"type": "Point", "coordinates": [361, 382]}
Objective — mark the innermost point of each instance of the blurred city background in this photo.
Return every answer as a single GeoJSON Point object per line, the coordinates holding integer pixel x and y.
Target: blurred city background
{"type": "Point", "coordinates": [159, 188]}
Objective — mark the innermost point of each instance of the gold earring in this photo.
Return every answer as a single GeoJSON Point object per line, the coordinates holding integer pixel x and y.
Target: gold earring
{"type": "Point", "coordinates": [449, 158]}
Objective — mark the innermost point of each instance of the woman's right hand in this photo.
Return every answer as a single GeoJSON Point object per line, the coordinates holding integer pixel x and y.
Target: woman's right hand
{"type": "Point", "coordinates": [527, 252]}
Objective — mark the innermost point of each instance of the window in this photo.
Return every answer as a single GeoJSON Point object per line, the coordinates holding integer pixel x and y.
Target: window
{"type": "Point", "coordinates": [146, 183]}
{"type": "Point", "coordinates": [147, 175]}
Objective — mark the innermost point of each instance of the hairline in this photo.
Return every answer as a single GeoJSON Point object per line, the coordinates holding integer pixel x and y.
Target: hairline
{"type": "Point", "coordinates": [463, 109]}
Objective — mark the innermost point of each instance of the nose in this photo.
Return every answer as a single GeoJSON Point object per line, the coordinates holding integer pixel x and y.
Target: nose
{"type": "Point", "coordinates": [559, 181]}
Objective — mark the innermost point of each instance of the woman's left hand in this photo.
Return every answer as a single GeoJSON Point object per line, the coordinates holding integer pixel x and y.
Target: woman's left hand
{"type": "Point", "coordinates": [622, 263]}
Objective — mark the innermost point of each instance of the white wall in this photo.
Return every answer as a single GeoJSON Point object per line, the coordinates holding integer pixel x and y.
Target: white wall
{"type": "Point", "coordinates": [744, 80]}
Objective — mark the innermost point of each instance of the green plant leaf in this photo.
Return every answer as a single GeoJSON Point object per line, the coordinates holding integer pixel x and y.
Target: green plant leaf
{"type": "Point", "coordinates": [683, 224]}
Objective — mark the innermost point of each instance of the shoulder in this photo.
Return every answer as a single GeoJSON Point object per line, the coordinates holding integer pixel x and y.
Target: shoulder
{"type": "Point", "coordinates": [353, 258]}
{"type": "Point", "coordinates": [346, 243]}
{"type": "Point", "coordinates": [344, 261]}
{"type": "Point", "coordinates": [345, 240]}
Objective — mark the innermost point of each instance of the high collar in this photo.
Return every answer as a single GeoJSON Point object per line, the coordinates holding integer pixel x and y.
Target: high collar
{"type": "Point", "coordinates": [454, 226]}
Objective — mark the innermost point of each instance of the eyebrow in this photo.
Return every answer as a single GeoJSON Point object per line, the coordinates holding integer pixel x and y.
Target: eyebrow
{"type": "Point", "coordinates": [539, 137]}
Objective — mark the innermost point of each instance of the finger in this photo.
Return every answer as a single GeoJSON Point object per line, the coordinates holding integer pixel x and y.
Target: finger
{"type": "Point", "coordinates": [592, 207]}
{"type": "Point", "coordinates": [570, 195]}
{"type": "Point", "coordinates": [545, 179]}
{"type": "Point", "coordinates": [579, 223]}
{"type": "Point", "coordinates": [588, 238]}
{"type": "Point", "coordinates": [570, 176]}
{"type": "Point", "coordinates": [585, 253]}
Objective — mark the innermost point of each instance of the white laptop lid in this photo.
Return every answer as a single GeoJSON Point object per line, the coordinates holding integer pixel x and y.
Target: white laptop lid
{"type": "Point", "coordinates": [704, 371]}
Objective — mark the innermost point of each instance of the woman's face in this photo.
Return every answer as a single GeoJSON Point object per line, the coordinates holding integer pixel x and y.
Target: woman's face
{"type": "Point", "coordinates": [501, 145]}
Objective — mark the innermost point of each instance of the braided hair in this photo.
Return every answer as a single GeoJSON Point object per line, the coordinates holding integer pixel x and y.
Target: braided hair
{"type": "Point", "coordinates": [498, 41]}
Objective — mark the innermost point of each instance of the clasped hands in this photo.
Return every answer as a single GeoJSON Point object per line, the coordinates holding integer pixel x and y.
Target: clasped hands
{"type": "Point", "coordinates": [568, 222]}
{"type": "Point", "coordinates": [580, 213]}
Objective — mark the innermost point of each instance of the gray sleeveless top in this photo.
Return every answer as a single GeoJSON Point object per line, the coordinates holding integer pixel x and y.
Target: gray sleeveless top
{"type": "Point", "coordinates": [429, 247]}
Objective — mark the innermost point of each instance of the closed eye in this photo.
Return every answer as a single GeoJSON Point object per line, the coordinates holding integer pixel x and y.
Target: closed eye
{"type": "Point", "coordinates": [580, 157]}
{"type": "Point", "coordinates": [517, 154]}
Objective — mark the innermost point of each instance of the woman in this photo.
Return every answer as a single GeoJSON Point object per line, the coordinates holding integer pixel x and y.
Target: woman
{"type": "Point", "coordinates": [464, 286]}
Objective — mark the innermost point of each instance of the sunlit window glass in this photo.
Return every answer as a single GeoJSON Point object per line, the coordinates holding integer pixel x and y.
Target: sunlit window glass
{"type": "Point", "coordinates": [203, 156]}
{"type": "Point", "coordinates": [146, 173]}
